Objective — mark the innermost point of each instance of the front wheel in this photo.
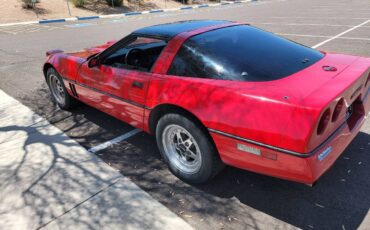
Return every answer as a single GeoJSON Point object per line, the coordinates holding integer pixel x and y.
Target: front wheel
{"type": "Point", "coordinates": [58, 90]}
{"type": "Point", "coordinates": [187, 150]}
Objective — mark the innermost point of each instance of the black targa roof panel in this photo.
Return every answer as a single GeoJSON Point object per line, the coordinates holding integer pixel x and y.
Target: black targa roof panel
{"type": "Point", "coordinates": [170, 30]}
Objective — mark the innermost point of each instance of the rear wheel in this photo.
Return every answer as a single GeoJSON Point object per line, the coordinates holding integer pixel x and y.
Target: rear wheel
{"type": "Point", "coordinates": [58, 90]}
{"type": "Point", "coordinates": [187, 150]}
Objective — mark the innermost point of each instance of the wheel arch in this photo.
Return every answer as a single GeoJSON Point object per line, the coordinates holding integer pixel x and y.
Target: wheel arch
{"type": "Point", "coordinates": [46, 67]}
{"type": "Point", "coordinates": [163, 109]}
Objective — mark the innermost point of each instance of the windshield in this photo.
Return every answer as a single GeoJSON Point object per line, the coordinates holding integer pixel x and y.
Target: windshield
{"type": "Point", "coordinates": [242, 53]}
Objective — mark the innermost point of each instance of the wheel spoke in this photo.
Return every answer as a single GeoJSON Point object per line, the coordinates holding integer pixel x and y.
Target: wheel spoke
{"type": "Point", "coordinates": [182, 156]}
{"type": "Point", "coordinates": [191, 154]}
{"type": "Point", "coordinates": [178, 137]}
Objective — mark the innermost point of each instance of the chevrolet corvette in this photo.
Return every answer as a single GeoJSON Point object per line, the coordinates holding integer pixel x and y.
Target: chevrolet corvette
{"type": "Point", "coordinates": [218, 93]}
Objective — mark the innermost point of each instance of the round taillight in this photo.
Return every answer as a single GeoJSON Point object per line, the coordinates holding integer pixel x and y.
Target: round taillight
{"type": "Point", "coordinates": [337, 110]}
{"type": "Point", "coordinates": [324, 121]}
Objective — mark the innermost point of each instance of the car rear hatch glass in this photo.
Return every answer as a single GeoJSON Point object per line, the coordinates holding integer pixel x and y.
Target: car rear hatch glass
{"type": "Point", "coordinates": [242, 53]}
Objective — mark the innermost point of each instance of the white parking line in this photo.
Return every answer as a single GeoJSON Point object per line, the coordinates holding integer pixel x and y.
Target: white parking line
{"type": "Point", "coordinates": [114, 141]}
{"type": "Point", "coordinates": [299, 24]}
{"type": "Point", "coordinates": [304, 35]}
{"type": "Point", "coordinates": [345, 18]}
{"type": "Point", "coordinates": [7, 32]}
{"type": "Point", "coordinates": [354, 38]}
{"type": "Point", "coordinates": [322, 36]}
{"type": "Point", "coordinates": [340, 34]}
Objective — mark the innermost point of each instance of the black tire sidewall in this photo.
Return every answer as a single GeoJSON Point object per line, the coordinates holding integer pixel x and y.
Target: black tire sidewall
{"type": "Point", "coordinates": [208, 151]}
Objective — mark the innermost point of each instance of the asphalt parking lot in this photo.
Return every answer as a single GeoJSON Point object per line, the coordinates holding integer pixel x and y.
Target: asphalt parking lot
{"type": "Point", "coordinates": [235, 199]}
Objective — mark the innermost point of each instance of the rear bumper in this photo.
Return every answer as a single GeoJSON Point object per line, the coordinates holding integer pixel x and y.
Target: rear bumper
{"type": "Point", "coordinates": [304, 168]}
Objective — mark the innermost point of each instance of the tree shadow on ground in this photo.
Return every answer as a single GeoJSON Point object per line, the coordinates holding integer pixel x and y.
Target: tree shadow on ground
{"type": "Point", "coordinates": [39, 180]}
{"type": "Point", "coordinates": [101, 7]}
{"type": "Point", "coordinates": [37, 10]}
{"type": "Point", "coordinates": [44, 175]}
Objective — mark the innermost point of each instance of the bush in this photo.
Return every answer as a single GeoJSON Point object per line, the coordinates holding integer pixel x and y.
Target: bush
{"type": "Point", "coordinates": [78, 3]}
{"type": "Point", "coordinates": [115, 2]}
{"type": "Point", "coordinates": [28, 3]}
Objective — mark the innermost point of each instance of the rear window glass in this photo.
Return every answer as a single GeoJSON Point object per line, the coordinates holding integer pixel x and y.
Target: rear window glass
{"type": "Point", "coordinates": [242, 53]}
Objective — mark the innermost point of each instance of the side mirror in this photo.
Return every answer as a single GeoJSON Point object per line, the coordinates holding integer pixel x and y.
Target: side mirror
{"type": "Point", "coordinates": [93, 62]}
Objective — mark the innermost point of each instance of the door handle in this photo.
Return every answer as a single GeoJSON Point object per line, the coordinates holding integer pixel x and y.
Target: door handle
{"type": "Point", "coordinates": [137, 84]}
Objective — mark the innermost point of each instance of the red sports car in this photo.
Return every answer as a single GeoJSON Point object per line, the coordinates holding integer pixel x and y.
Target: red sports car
{"type": "Point", "coordinates": [219, 92]}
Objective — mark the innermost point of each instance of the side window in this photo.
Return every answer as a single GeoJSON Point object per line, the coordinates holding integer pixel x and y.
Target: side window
{"type": "Point", "coordinates": [139, 54]}
{"type": "Point", "coordinates": [185, 63]}
{"type": "Point", "coordinates": [192, 61]}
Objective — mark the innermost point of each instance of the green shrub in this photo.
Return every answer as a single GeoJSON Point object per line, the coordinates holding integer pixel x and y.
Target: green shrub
{"type": "Point", "coordinates": [78, 3]}
{"type": "Point", "coordinates": [28, 3]}
{"type": "Point", "coordinates": [115, 2]}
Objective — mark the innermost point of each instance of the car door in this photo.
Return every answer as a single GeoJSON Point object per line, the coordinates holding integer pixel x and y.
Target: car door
{"type": "Point", "coordinates": [115, 87]}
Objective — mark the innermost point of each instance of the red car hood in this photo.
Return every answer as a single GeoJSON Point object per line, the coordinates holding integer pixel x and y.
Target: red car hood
{"type": "Point", "coordinates": [90, 51]}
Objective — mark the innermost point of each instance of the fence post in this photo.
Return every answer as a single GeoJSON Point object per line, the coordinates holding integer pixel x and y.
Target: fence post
{"type": "Point", "coordinates": [69, 10]}
{"type": "Point", "coordinates": [33, 4]}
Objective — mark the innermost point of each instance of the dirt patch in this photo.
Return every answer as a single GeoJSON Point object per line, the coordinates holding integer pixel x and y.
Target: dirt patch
{"type": "Point", "coordinates": [12, 11]}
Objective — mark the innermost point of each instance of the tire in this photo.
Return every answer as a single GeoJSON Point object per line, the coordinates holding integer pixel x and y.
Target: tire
{"type": "Point", "coordinates": [58, 90]}
{"type": "Point", "coordinates": [188, 151]}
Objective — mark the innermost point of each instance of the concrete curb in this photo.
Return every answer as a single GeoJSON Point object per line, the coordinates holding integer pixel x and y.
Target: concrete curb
{"type": "Point", "coordinates": [77, 18]}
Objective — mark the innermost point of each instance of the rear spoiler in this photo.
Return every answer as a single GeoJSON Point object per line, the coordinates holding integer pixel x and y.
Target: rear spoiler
{"type": "Point", "coordinates": [50, 52]}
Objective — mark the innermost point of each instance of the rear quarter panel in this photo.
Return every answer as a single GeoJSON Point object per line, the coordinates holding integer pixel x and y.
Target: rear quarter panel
{"type": "Point", "coordinates": [283, 113]}
{"type": "Point", "coordinates": [237, 108]}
